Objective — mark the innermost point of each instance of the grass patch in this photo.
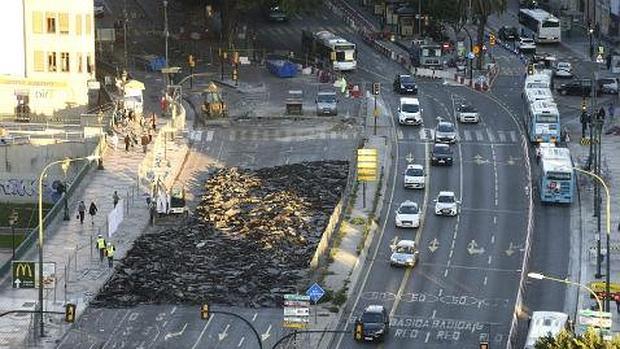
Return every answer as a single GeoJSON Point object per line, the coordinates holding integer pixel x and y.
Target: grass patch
{"type": "Point", "coordinates": [6, 241]}
{"type": "Point", "coordinates": [340, 297]}
{"type": "Point", "coordinates": [27, 214]}
{"type": "Point", "coordinates": [357, 220]}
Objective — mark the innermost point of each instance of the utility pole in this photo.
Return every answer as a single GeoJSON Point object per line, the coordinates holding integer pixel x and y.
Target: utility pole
{"type": "Point", "coordinates": [166, 32]}
{"type": "Point", "coordinates": [420, 17]}
{"type": "Point", "coordinates": [125, 33]}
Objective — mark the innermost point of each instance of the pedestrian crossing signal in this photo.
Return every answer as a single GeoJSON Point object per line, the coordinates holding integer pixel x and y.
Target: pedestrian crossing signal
{"type": "Point", "coordinates": [492, 40]}
{"type": "Point", "coordinates": [530, 69]}
{"type": "Point", "coordinates": [190, 61]}
{"type": "Point", "coordinates": [358, 334]}
{"type": "Point", "coordinates": [583, 105]}
{"type": "Point", "coordinates": [204, 311]}
{"type": "Point", "coordinates": [70, 313]}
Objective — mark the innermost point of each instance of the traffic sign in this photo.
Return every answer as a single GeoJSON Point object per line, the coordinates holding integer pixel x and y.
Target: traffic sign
{"type": "Point", "coordinates": [24, 273]}
{"type": "Point", "coordinates": [315, 292]}
{"type": "Point", "coordinates": [367, 165]}
{"type": "Point", "coordinates": [476, 49]}
{"type": "Point", "coordinates": [296, 297]}
{"type": "Point", "coordinates": [471, 55]}
{"type": "Point", "coordinates": [296, 311]}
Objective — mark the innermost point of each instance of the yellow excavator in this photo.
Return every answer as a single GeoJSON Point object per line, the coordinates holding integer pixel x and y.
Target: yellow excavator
{"type": "Point", "coordinates": [213, 105]}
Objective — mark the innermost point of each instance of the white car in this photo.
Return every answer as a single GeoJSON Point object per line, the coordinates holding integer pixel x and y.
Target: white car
{"type": "Point", "coordinates": [408, 215]}
{"type": "Point", "coordinates": [467, 113]}
{"type": "Point", "coordinates": [404, 254]}
{"type": "Point", "coordinates": [409, 111]}
{"type": "Point", "coordinates": [414, 177]}
{"type": "Point", "coordinates": [446, 204]}
{"type": "Point", "coordinates": [445, 132]}
{"type": "Point", "coordinates": [563, 70]}
{"type": "Point", "coordinates": [527, 45]}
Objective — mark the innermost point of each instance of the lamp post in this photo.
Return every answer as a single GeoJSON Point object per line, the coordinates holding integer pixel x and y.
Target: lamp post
{"type": "Point", "coordinates": [608, 227]}
{"type": "Point", "coordinates": [166, 33]}
{"type": "Point", "coordinates": [539, 276]}
{"type": "Point", "coordinates": [471, 43]}
{"type": "Point", "coordinates": [590, 33]}
{"type": "Point", "coordinates": [12, 221]}
{"type": "Point", "coordinates": [64, 162]}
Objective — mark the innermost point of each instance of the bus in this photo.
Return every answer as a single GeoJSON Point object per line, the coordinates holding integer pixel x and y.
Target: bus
{"type": "Point", "coordinates": [537, 94]}
{"type": "Point", "coordinates": [557, 178]}
{"type": "Point", "coordinates": [330, 50]}
{"type": "Point", "coordinates": [426, 55]}
{"type": "Point", "coordinates": [537, 80]}
{"type": "Point", "coordinates": [543, 122]}
{"type": "Point", "coordinates": [545, 323]}
{"type": "Point", "coordinates": [544, 27]}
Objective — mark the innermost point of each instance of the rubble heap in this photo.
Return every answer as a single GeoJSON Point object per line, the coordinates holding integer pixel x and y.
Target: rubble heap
{"type": "Point", "coordinates": [250, 241]}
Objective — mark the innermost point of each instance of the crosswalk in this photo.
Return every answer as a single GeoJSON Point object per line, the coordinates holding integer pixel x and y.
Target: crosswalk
{"type": "Point", "coordinates": [269, 134]}
{"type": "Point", "coordinates": [470, 136]}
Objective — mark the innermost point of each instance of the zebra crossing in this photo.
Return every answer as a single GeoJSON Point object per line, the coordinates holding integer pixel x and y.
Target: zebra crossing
{"type": "Point", "coordinates": [270, 134]}
{"type": "Point", "coordinates": [465, 135]}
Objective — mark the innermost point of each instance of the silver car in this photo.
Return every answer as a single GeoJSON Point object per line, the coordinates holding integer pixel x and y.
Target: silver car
{"type": "Point", "coordinates": [467, 113]}
{"type": "Point", "coordinates": [445, 132]}
{"type": "Point", "coordinates": [404, 254]}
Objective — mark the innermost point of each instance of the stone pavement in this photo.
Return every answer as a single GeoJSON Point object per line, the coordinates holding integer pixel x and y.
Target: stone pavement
{"type": "Point", "coordinates": [70, 245]}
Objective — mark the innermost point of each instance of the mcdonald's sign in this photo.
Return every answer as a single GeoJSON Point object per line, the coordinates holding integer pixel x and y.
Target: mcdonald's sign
{"type": "Point", "coordinates": [23, 274]}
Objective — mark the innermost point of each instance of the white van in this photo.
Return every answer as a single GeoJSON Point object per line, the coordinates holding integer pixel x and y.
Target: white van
{"type": "Point", "coordinates": [409, 111]}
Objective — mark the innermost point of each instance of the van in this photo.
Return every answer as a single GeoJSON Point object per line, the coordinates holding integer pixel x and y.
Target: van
{"type": "Point", "coordinates": [326, 103]}
{"type": "Point", "coordinates": [607, 86]}
{"type": "Point", "coordinates": [409, 111]}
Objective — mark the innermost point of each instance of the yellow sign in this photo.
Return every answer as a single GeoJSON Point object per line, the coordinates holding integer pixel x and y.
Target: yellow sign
{"type": "Point", "coordinates": [600, 287]}
{"type": "Point", "coordinates": [23, 274]}
{"type": "Point", "coordinates": [476, 49]}
{"type": "Point", "coordinates": [34, 83]}
{"type": "Point", "coordinates": [367, 163]}
{"type": "Point", "coordinates": [70, 313]}
{"type": "Point", "coordinates": [297, 325]}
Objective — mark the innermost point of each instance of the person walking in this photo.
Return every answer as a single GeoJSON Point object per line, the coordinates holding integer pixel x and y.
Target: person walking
{"type": "Point", "coordinates": [127, 142]}
{"type": "Point", "coordinates": [109, 251]}
{"type": "Point", "coordinates": [115, 198]}
{"type": "Point", "coordinates": [154, 122]}
{"type": "Point", "coordinates": [92, 211]}
{"type": "Point", "coordinates": [145, 141]}
{"type": "Point", "coordinates": [81, 211]}
{"type": "Point", "coordinates": [114, 140]}
{"type": "Point", "coordinates": [101, 247]}
{"type": "Point", "coordinates": [617, 299]}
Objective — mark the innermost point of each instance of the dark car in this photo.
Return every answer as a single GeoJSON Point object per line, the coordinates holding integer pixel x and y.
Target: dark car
{"type": "Point", "coordinates": [404, 84]}
{"type": "Point", "coordinates": [578, 87]}
{"type": "Point", "coordinates": [441, 154]}
{"type": "Point", "coordinates": [275, 13]}
{"type": "Point", "coordinates": [507, 33]}
{"type": "Point", "coordinates": [376, 323]}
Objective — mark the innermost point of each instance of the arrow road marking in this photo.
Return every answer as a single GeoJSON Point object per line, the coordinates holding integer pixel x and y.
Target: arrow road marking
{"type": "Point", "coordinates": [479, 160]}
{"type": "Point", "coordinates": [409, 158]}
{"type": "Point", "coordinates": [224, 333]}
{"type": "Point", "coordinates": [510, 250]}
{"type": "Point", "coordinates": [472, 248]}
{"type": "Point", "coordinates": [175, 334]}
{"type": "Point", "coordinates": [434, 245]}
{"type": "Point", "coordinates": [393, 243]}
{"type": "Point", "coordinates": [266, 335]}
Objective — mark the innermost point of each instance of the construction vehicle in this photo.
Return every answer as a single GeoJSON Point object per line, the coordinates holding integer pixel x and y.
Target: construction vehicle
{"type": "Point", "coordinates": [213, 105]}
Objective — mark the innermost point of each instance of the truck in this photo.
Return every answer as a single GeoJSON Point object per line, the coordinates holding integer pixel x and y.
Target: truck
{"type": "Point", "coordinates": [426, 54]}
{"type": "Point", "coordinates": [329, 50]}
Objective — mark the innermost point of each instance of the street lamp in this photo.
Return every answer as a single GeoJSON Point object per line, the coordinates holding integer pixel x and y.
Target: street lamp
{"type": "Point", "coordinates": [12, 221]}
{"type": "Point", "coordinates": [608, 227]}
{"type": "Point", "coordinates": [590, 33]}
{"type": "Point", "coordinates": [64, 162]}
{"type": "Point", "coordinates": [166, 33]}
{"type": "Point", "coordinates": [471, 73]}
{"type": "Point", "coordinates": [539, 276]}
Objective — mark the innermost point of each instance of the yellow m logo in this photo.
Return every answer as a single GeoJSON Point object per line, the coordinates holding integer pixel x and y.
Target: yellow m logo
{"type": "Point", "coordinates": [23, 269]}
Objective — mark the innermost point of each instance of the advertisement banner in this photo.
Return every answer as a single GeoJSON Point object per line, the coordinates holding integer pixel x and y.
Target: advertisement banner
{"type": "Point", "coordinates": [115, 217]}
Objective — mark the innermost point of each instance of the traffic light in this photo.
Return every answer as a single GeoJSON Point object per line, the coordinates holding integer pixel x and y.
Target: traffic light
{"type": "Point", "coordinates": [583, 105]}
{"type": "Point", "coordinates": [332, 56]}
{"type": "Point", "coordinates": [235, 57]}
{"type": "Point", "coordinates": [204, 311]}
{"type": "Point", "coordinates": [530, 69]}
{"type": "Point", "coordinates": [70, 313]}
{"type": "Point", "coordinates": [492, 40]}
{"type": "Point", "coordinates": [190, 61]}
{"type": "Point", "coordinates": [235, 74]}
{"type": "Point", "coordinates": [484, 345]}
{"type": "Point", "coordinates": [358, 334]}
{"type": "Point", "coordinates": [376, 88]}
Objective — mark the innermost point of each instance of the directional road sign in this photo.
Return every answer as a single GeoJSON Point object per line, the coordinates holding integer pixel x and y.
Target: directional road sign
{"type": "Point", "coordinates": [24, 273]}
{"type": "Point", "coordinates": [296, 311]}
{"type": "Point", "coordinates": [315, 292]}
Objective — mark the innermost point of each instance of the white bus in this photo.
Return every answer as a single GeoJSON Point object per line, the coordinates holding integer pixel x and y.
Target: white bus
{"type": "Point", "coordinates": [545, 323]}
{"type": "Point", "coordinates": [537, 94]}
{"type": "Point", "coordinates": [330, 50]}
{"type": "Point", "coordinates": [537, 80]}
{"type": "Point", "coordinates": [544, 26]}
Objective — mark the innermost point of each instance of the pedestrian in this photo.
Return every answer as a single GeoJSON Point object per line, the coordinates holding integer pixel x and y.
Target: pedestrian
{"type": "Point", "coordinates": [109, 252]}
{"type": "Point", "coordinates": [101, 247]}
{"type": "Point", "coordinates": [150, 136]}
{"type": "Point", "coordinates": [92, 211]}
{"type": "Point", "coordinates": [617, 299]}
{"type": "Point", "coordinates": [145, 141]}
{"type": "Point", "coordinates": [115, 198]}
{"type": "Point", "coordinates": [127, 142]}
{"type": "Point", "coordinates": [81, 211]}
{"type": "Point", "coordinates": [154, 122]}
{"type": "Point", "coordinates": [114, 140]}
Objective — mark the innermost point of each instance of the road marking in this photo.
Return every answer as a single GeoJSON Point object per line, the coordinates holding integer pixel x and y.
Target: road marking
{"type": "Point", "coordinates": [241, 342]}
{"type": "Point", "coordinates": [445, 273]}
{"type": "Point", "coordinates": [433, 245]}
{"type": "Point", "coordinates": [494, 219]}
{"type": "Point", "coordinates": [496, 190]}
{"type": "Point", "coordinates": [224, 333]}
{"type": "Point", "coordinates": [202, 332]}
{"type": "Point", "coordinates": [502, 136]}
{"type": "Point", "coordinates": [485, 280]}
{"type": "Point", "coordinates": [428, 334]}
{"type": "Point", "coordinates": [254, 317]}
{"type": "Point", "coordinates": [400, 134]}
{"type": "Point", "coordinates": [493, 238]}
{"type": "Point", "coordinates": [434, 312]}
{"type": "Point", "coordinates": [209, 137]}
{"type": "Point", "coordinates": [267, 334]}
{"type": "Point", "coordinates": [479, 136]}
{"type": "Point", "coordinates": [490, 259]}
{"type": "Point", "coordinates": [175, 334]}
{"type": "Point", "coordinates": [467, 267]}
{"type": "Point", "coordinates": [490, 135]}
{"type": "Point", "coordinates": [467, 135]}
{"type": "Point", "coordinates": [513, 136]}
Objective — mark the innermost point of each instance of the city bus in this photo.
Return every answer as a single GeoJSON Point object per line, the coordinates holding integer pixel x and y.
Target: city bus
{"type": "Point", "coordinates": [537, 94]}
{"type": "Point", "coordinates": [538, 80]}
{"type": "Point", "coordinates": [543, 26]}
{"type": "Point", "coordinates": [557, 178]}
{"type": "Point", "coordinates": [545, 323]}
{"type": "Point", "coordinates": [543, 121]}
{"type": "Point", "coordinates": [330, 50]}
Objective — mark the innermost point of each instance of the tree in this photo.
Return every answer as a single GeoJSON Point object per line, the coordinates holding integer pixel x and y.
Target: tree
{"type": "Point", "coordinates": [482, 9]}
{"type": "Point", "coordinates": [566, 340]}
{"type": "Point", "coordinates": [449, 13]}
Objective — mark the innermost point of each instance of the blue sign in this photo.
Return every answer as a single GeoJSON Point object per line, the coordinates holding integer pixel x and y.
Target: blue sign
{"type": "Point", "coordinates": [315, 292]}
{"type": "Point", "coordinates": [471, 55]}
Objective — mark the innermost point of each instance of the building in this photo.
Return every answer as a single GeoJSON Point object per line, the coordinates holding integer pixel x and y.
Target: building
{"type": "Point", "coordinates": [49, 58]}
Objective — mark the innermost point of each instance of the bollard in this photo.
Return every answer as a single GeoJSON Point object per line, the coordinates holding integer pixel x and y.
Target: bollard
{"type": "Point", "coordinates": [65, 284]}
{"type": "Point", "coordinates": [92, 246]}
{"type": "Point", "coordinates": [76, 259]}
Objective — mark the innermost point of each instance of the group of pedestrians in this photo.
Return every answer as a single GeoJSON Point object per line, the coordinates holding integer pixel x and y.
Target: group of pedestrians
{"type": "Point", "coordinates": [134, 129]}
{"type": "Point", "coordinates": [106, 249]}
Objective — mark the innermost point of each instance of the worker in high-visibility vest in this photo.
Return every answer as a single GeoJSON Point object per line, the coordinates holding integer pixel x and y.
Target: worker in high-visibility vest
{"type": "Point", "coordinates": [110, 253]}
{"type": "Point", "coordinates": [101, 247]}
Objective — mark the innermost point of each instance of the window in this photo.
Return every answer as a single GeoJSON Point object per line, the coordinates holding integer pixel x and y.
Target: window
{"type": "Point", "coordinates": [78, 24]}
{"type": "Point", "coordinates": [51, 22]}
{"type": "Point", "coordinates": [37, 22]}
{"type": "Point", "coordinates": [63, 23]}
{"type": "Point", "coordinates": [89, 67]}
{"type": "Point", "coordinates": [80, 62]}
{"type": "Point", "coordinates": [64, 61]}
{"type": "Point", "coordinates": [39, 61]}
{"type": "Point", "coordinates": [88, 25]}
{"type": "Point", "coordinates": [51, 61]}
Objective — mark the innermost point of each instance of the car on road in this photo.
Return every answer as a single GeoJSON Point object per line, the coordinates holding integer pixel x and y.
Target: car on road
{"type": "Point", "coordinates": [99, 9]}
{"type": "Point", "coordinates": [326, 103]}
{"type": "Point", "coordinates": [414, 176]}
{"type": "Point", "coordinates": [441, 154]}
{"type": "Point", "coordinates": [577, 87]}
{"type": "Point", "coordinates": [407, 215]}
{"type": "Point", "coordinates": [467, 113]}
{"type": "Point", "coordinates": [527, 45]}
{"type": "Point", "coordinates": [446, 204]}
{"type": "Point", "coordinates": [409, 111]}
{"type": "Point", "coordinates": [404, 84]}
{"type": "Point", "coordinates": [445, 132]}
{"type": "Point", "coordinates": [508, 33]}
{"type": "Point", "coordinates": [563, 70]}
{"type": "Point", "coordinates": [607, 85]}
{"type": "Point", "coordinates": [376, 323]}
{"type": "Point", "coordinates": [404, 254]}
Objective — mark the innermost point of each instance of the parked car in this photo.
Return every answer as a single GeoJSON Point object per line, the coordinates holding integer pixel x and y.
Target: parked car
{"type": "Point", "coordinates": [446, 204]}
{"type": "Point", "coordinates": [407, 215]}
{"type": "Point", "coordinates": [414, 176]}
{"type": "Point", "coordinates": [445, 132]}
{"type": "Point", "coordinates": [441, 154]}
{"type": "Point", "coordinates": [467, 113]}
{"type": "Point", "coordinates": [508, 33]}
{"type": "Point", "coordinates": [607, 86]}
{"type": "Point", "coordinates": [409, 111]}
{"type": "Point", "coordinates": [527, 45]}
{"type": "Point", "coordinates": [404, 254]}
{"type": "Point", "coordinates": [578, 87]}
{"type": "Point", "coordinates": [404, 84]}
{"type": "Point", "coordinates": [563, 70]}
{"type": "Point", "coordinates": [376, 323]}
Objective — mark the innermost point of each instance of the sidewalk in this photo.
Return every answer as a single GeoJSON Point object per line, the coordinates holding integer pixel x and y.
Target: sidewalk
{"type": "Point", "coordinates": [70, 245]}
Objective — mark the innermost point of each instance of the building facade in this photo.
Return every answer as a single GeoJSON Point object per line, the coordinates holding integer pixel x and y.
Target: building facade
{"type": "Point", "coordinates": [49, 56]}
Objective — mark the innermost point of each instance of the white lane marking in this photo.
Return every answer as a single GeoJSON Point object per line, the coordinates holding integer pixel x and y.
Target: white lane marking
{"type": "Point", "coordinates": [490, 135]}
{"type": "Point", "coordinates": [490, 259]}
{"type": "Point", "coordinates": [502, 136]}
{"type": "Point", "coordinates": [440, 292]}
{"type": "Point", "coordinates": [173, 310]}
{"type": "Point", "coordinates": [428, 334]}
{"type": "Point", "coordinates": [434, 312]}
{"type": "Point", "coordinates": [494, 219]}
{"type": "Point", "coordinates": [209, 137]}
{"type": "Point", "coordinates": [513, 136]}
{"type": "Point", "coordinates": [496, 186]}
{"type": "Point", "coordinates": [479, 136]}
{"type": "Point", "coordinates": [241, 342]}
{"type": "Point", "coordinates": [445, 273]}
{"type": "Point", "coordinates": [467, 135]}
{"type": "Point", "coordinates": [112, 334]}
{"type": "Point", "coordinates": [493, 238]}
{"type": "Point", "coordinates": [202, 332]}
{"type": "Point", "coordinates": [254, 317]}
{"type": "Point", "coordinates": [485, 280]}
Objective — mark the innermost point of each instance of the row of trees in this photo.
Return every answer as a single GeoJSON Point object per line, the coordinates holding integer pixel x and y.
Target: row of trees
{"type": "Point", "coordinates": [566, 340]}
